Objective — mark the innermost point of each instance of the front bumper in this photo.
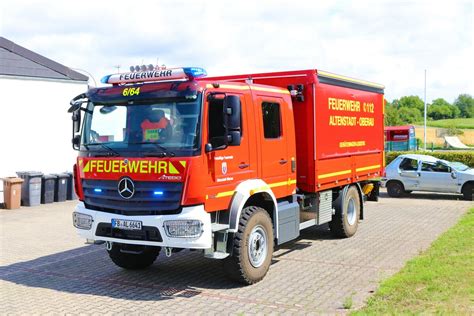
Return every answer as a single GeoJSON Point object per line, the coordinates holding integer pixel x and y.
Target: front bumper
{"type": "Point", "coordinates": [188, 213]}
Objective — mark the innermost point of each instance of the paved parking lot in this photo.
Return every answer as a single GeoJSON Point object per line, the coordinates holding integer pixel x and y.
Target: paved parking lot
{"type": "Point", "coordinates": [45, 268]}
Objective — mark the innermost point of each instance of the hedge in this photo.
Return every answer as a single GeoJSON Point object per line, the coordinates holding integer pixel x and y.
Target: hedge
{"type": "Point", "coordinates": [466, 157]}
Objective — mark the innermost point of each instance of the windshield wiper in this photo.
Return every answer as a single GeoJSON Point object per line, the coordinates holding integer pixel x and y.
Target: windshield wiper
{"type": "Point", "coordinates": [110, 151]}
{"type": "Point", "coordinates": [164, 151]}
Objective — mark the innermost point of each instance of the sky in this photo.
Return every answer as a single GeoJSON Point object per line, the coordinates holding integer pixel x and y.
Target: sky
{"type": "Point", "coordinates": [387, 42]}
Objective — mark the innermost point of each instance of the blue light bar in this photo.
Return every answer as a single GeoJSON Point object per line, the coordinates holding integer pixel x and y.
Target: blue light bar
{"type": "Point", "coordinates": [105, 79]}
{"type": "Point", "coordinates": [194, 72]}
{"type": "Point", "coordinates": [158, 193]}
{"type": "Point", "coordinates": [98, 190]}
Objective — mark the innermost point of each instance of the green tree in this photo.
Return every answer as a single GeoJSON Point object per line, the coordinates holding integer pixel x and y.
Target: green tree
{"type": "Point", "coordinates": [465, 103]}
{"type": "Point", "coordinates": [409, 115]}
{"type": "Point", "coordinates": [411, 101]}
{"type": "Point", "coordinates": [392, 118]}
{"type": "Point", "coordinates": [441, 109]}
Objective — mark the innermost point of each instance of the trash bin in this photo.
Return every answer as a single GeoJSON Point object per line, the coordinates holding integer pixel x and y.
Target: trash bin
{"type": "Point", "coordinates": [71, 194]}
{"type": "Point", "coordinates": [47, 188]}
{"type": "Point", "coordinates": [12, 192]}
{"type": "Point", "coordinates": [31, 187]}
{"type": "Point", "coordinates": [60, 187]}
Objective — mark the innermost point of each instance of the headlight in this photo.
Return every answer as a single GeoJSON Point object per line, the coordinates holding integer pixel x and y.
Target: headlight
{"type": "Point", "coordinates": [183, 228]}
{"type": "Point", "coordinates": [81, 221]}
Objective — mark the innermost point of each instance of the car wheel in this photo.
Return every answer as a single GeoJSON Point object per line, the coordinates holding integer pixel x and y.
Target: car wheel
{"type": "Point", "coordinates": [395, 189]}
{"type": "Point", "coordinates": [468, 191]}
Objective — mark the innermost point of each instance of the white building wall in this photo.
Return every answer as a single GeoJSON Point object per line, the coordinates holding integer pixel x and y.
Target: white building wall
{"type": "Point", "coordinates": [35, 128]}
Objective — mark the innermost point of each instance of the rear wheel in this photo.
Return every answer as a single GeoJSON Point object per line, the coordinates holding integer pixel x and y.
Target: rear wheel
{"type": "Point", "coordinates": [252, 247]}
{"type": "Point", "coordinates": [133, 257]}
{"type": "Point", "coordinates": [345, 221]}
{"type": "Point", "coordinates": [395, 189]}
{"type": "Point", "coordinates": [468, 191]}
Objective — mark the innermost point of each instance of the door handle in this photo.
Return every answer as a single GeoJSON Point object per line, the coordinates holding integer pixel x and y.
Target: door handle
{"type": "Point", "coordinates": [244, 165]}
{"type": "Point", "coordinates": [283, 161]}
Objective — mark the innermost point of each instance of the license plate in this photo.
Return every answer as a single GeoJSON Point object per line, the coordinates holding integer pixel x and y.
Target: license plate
{"type": "Point", "coordinates": [126, 224]}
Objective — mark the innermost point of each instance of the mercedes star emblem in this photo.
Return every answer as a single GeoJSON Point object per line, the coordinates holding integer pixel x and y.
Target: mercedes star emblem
{"type": "Point", "coordinates": [126, 188]}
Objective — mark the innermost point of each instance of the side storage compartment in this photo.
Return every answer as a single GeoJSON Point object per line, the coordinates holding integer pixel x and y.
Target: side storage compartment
{"type": "Point", "coordinates": [288, 221]}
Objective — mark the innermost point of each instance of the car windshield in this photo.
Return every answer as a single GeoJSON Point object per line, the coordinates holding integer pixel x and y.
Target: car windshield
{"type": "Point", "coordinates": [169, 126]}
{"type": "Point", "coordinates": [458, 166]}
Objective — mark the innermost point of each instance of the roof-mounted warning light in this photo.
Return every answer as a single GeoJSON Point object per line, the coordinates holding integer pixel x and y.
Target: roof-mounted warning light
{"type": "Point", "coordinates": [157, 74]}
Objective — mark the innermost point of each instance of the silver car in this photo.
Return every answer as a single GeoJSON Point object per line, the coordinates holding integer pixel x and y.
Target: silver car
{"type": "Point", "coordinates": [411, 172]}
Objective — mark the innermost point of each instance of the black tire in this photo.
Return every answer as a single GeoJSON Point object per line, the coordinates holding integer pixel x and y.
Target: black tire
{"type": "Point", "coordinates": [345, 221]}
{"type": "Point", "coordinates": [468, 191]}
{"type": "Point", "coordinates": [395, 189]}
{"type": "Point", "coordinates": [133, 257]}
{"type": "Point", "coordinates": [239, 266]}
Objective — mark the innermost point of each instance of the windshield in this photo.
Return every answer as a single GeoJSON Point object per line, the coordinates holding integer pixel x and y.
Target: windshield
{"type": "Point", "coordinates": [163, 127]}
{"type": "Point", "coordinates": [458, 166]}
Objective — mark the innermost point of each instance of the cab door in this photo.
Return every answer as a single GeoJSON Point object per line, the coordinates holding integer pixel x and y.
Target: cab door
{"type": "Point", "coordinates": [227, 165]}
{"type": "Point", "coordinates": [274, 161]}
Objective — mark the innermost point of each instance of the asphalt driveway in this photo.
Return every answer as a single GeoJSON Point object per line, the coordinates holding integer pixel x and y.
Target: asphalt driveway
{"type": "Point", "coordinates": [46, 268]}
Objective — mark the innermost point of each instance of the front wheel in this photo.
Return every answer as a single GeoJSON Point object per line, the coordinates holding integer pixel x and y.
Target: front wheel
{"type": "Point", "coordinates": [395, 189]}
{"type": "Point", "coordinates": [133, 257]}
{"type": "Point", "coordinates": [345, 221]}
{"type": "Point", "coordinates": [252, 247]}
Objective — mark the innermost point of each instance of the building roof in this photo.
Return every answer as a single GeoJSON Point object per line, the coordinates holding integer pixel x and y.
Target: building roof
{"type": "Point", "coordinates": [18, 61]}
{"type": "Point", "coordinates": [398, 128]}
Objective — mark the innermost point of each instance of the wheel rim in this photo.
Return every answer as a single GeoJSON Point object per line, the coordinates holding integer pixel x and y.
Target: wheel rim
{"type": "Point", "coordinates": [398, 188]}
{"type": "Point", "coordinates": [351, 212]}
{"type": "Point", "coordinates": [257, 247]}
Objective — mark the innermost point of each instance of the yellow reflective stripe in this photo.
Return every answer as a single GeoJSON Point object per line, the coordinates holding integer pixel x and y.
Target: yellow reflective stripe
{"type": "Point", "coordinates": [367, 168]}
{"type": "Point", "coordinates": [270, 90]}
{"type": "Point", "coordinates": [278, 184]}
{"type": "Point", "coordinates": [367, 83]}
{"type": "Point", "coordinates": [223, 194]}
{"type": "Point", "coordinates": [262, 188]}
{"type": "Point", "coordinates": [229, 86]}
{"type": "Point", "coordinates": [332, 174]}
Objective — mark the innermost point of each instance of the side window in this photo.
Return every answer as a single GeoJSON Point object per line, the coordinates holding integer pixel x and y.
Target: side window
{"type": "Point", "coordinates": [408, 164]}
{"type": "Point", "coordinates": [271, 120]}
{"type": "Point", "coordinates": [439, 167]}
{"type": "Point", "coordinates": [425, 166]}
{"type": "Point", "coordinates": [216, 119]}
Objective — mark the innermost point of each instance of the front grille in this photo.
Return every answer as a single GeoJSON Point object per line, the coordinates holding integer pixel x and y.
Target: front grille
{"type": "Point", "coordinates": [102, 195]}
{"type": "Point", "coordinates": [147, 233]}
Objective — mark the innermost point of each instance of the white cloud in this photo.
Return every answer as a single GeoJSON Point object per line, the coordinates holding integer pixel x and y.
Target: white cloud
{"type": "Point", "coordinates": [390, 42]}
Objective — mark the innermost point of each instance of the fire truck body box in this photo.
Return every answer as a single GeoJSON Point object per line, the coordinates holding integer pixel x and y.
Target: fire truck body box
{"type": "Point", "coordinates": [338, 126]}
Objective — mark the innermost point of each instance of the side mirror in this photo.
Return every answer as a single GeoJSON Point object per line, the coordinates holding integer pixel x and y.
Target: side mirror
{"type": "Point", "coordinates": [76, 121]}
{"type": "Point", "coordinates": [76, 142]}
{"type": "Point", "coordinates": [234, 138]}
{"type": "Point", "coordinates": [232, 110]}
{"type": "Point", "coordinates": [454, 175]}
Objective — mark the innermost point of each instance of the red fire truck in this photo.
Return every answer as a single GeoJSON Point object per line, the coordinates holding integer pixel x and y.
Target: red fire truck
{"type": "Point", "coordinates": [232, 166]}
